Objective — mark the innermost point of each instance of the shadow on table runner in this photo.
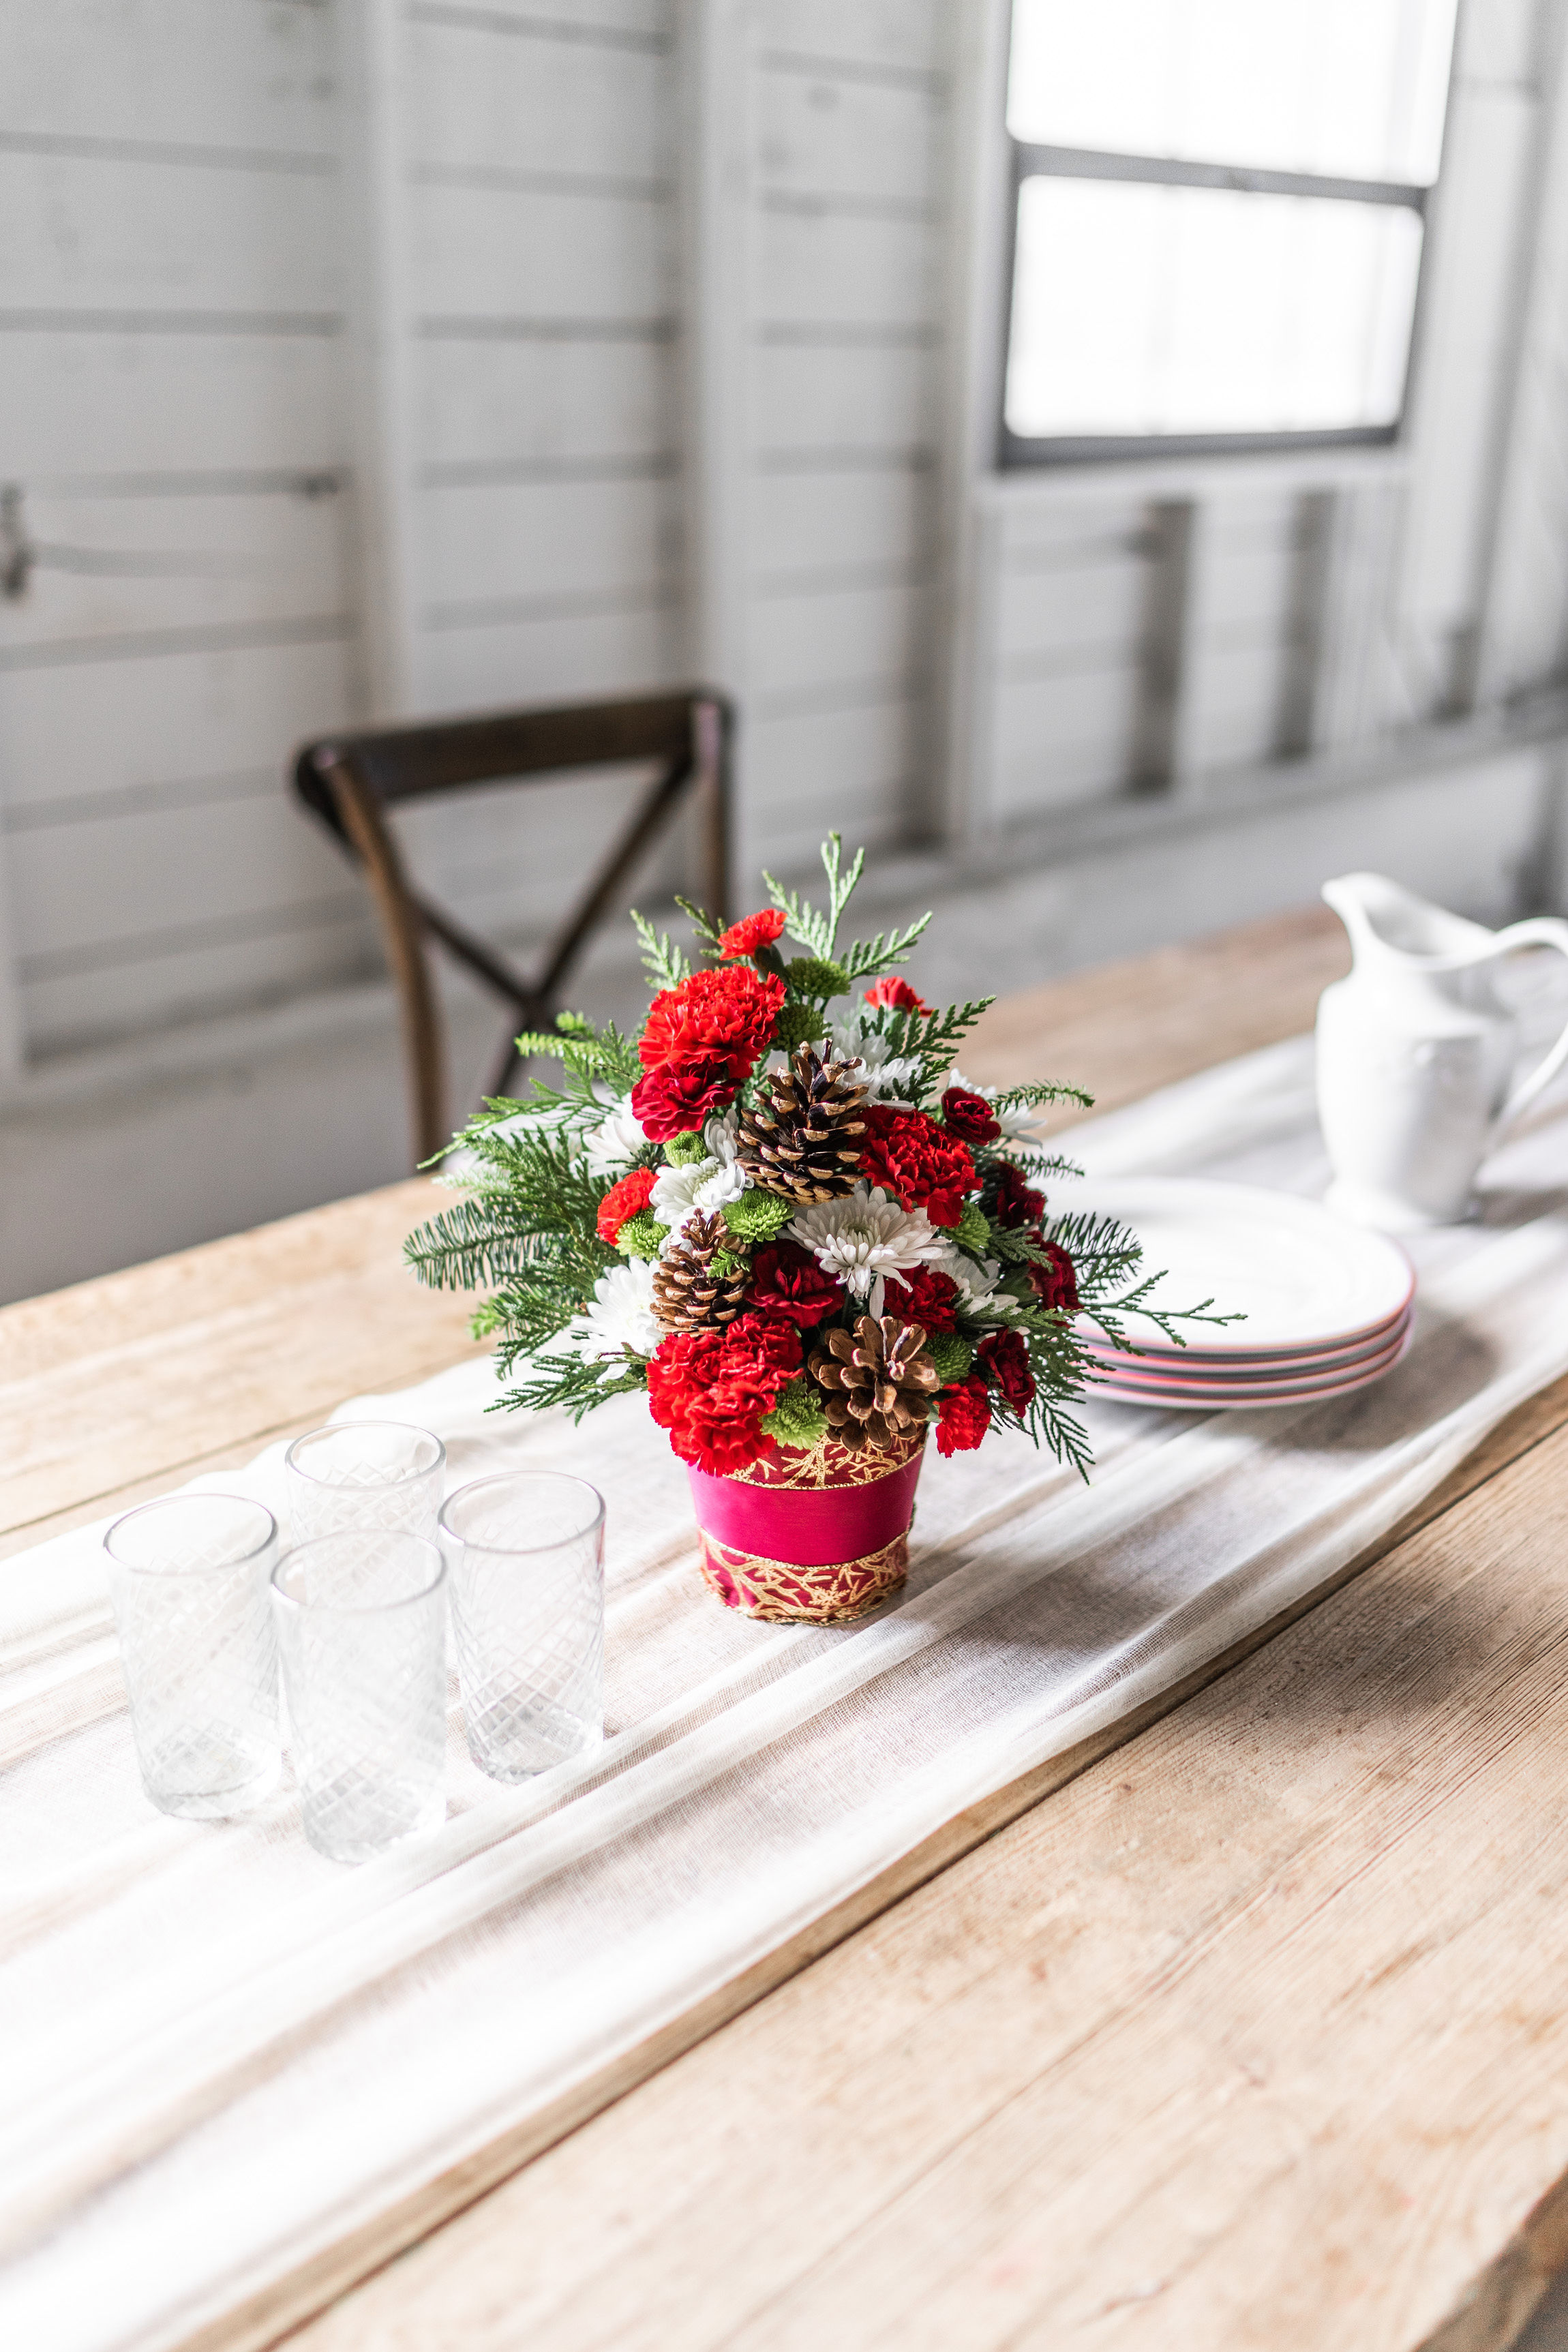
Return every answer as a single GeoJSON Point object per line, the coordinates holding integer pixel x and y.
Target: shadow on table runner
{"type": "Point", "coordinates": [200, 2146]}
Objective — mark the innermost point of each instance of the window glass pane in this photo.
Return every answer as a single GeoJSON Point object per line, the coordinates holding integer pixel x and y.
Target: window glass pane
{"type": "Point", "coordinates": [1353, 88]}
{"type": "Point", "coordinates": [1141, 310]}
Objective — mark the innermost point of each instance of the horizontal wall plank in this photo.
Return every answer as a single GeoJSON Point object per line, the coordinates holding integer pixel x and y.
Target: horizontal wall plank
{"type": "Point", "coordinates": [1059, 612]}
{"type": "Point", "coordinates": [804, 521]}
{"type": "Point", "coordinates": [1242, 701]}
{"type": "Point", "coordinates": [136, 728]}
{"type": "Point", "coordinates": [260, 74]}
{"type": "Point", "coordinates": [480, 98]}
{"type": "Point", "coordinates": [547, 539]}
{"type": "Point", "coordinates": [862, 274]}
{"type": "Point", "coordinates": [551, 657]}
{"type": "Point", "coordinates": [196, 976]}
{"type": "Point", "coordinates": [810, 773]}
{"type": "Point", "coordinates": [89, 233]}
{"type": "Point", "coordinates": [521, 402]}
{"type": "Point", "coordinates": [900, 32]}
{"type": "Point", "coordinates": [522, 253]}
{"type": "Point", "coordinates": [644, 24]}
{"type": "Point", "coordinates": [79, 889]}
{"type": "Point", "coordinates": [162, 405]}
{"type": "Point", "coordinates": [860, 636]}
{"type": "Point", "coordinates": [821, 135]}
{"type": "Point", "coordinates": [1060, 740]}
{"type": "Point", "coordinates": [807, 398]}
{"type": "Point", "coordinates": [107, 565]}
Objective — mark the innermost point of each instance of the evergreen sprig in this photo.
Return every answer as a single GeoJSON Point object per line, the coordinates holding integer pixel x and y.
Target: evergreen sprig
{"type": "Point", "coordinates": [818, 933]}
{"type": "Point", "coordinates": [663, 961]}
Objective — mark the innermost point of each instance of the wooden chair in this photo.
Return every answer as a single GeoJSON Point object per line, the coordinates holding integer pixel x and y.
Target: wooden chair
{"type": "Point", "coordinates": [349, 781]}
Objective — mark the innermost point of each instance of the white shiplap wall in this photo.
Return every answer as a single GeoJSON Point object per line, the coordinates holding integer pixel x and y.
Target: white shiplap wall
{"type": "Point", "coordinates": [170, 304]}
{"type": "Point", "coordinates": [841, 314]}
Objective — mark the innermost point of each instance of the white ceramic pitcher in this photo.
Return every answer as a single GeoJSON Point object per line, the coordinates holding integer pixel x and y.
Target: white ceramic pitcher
{"type": "Point", "coordinates": [1415, 1053]}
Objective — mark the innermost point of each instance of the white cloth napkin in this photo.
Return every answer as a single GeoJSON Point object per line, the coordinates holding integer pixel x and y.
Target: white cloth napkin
{"type": "Point", "coordinates": [219, 2053]}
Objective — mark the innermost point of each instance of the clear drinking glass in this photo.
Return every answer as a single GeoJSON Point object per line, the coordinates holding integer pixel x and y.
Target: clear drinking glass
{"type": "Point", "coordinates": [188, 1578]}
{"type": "Point", "coordinates": [364, 1474]}
{"type": "Point", "coordinates": [361, 1621]}
{"type": "Point", "coordinates": [528, 1604]}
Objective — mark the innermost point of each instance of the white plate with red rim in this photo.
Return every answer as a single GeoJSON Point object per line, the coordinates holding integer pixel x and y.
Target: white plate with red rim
{"type": "Point", "coordinates": [1169, 1364]}
{"type": "Point", "coordinates": [1238, 1396]}
{"type": "Point", "coordinates": [1300, 1379]}
{"type": "Point", "coordinates": [1308, 1284]}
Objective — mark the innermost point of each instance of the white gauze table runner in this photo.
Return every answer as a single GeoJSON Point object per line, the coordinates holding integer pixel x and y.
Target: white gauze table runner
{"type": "Point", "coordinates": [219, 2053]}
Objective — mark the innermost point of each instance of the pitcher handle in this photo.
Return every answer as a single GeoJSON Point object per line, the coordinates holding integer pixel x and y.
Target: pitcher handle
{"type": "Point", "coordinates": [1538, 931]}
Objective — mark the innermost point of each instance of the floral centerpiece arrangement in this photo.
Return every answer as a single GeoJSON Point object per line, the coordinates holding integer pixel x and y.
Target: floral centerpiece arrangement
{"type": "Point", "coordinates": [784, 1213]}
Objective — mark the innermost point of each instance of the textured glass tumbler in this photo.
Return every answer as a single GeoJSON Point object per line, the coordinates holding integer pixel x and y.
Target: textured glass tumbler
{"type": "Point", "coordinates": [528, 1605]}
{"type": "Point", "coordinates": [189, 1579]}
{"type": "Point", "coordinates": [364, 1474]}
{"type": "Point", "coordinates": [361, 1622]}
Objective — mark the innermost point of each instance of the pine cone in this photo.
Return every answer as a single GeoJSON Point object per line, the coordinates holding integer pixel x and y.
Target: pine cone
{"type": "Point", "coordinates": [878, 1380]}
{"type": "Point", "coordinates": [807, 1143]}
{"type": "Point", "coordinates": [689, 1293]}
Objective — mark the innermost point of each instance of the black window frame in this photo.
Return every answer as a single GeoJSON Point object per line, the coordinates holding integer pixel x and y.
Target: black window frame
{"type": "Point", "coordinates": [1031, 161]}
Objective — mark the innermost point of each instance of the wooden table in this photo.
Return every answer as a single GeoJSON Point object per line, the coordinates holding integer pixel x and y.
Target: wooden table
{"type": "Point", "coordinates": [1253, 2034]}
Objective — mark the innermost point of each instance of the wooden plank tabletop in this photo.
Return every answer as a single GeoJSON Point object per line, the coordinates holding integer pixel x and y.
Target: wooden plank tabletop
{"type": "Point", "coordinates": [1251, 2035]}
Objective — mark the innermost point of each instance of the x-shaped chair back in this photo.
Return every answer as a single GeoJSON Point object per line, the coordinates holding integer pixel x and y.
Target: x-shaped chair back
{"type": "Point", "coordinates": [350, 781]}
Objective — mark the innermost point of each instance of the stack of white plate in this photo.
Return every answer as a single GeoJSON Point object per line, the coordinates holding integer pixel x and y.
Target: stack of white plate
{"type": "Point", "coordinates": [1328, 1306]}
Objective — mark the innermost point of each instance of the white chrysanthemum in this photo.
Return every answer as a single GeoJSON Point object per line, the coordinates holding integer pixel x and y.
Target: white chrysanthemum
{"type": "Point", "coordinates": [616, 1140]}
{"type": "Point", "coordinates": [706, 1185]}
{"type": "Point", "coordinates": [888, 1076]}
{"type": "Point", "coordinates": [977, 1282]}
{"type": "Point", "coordinates": [722, 1135]}
{"type": "Point", "coordinates": [863, 1238]}
{"type": "Point", "coordinates": [1020, 1120]}
{"type": "Point", "coordinates": [618, 1316]}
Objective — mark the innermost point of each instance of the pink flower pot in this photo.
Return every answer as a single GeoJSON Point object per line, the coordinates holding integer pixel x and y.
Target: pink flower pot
{"type": "Point", "coordinates": [815, 1535]}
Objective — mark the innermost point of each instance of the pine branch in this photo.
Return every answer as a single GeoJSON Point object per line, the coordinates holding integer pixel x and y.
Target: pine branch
{"type": "Point", "coordinates": [471, 1245]}
{"type": "Point", "coordinates": [934, 1036]}
{"type": "Point", "coordinates": [1030, 1097]}
{"type": "Point", "coordinates": [818, 933]}
{"type": "Point", "coordinates": [702, 922]}
{"type": "Point", "coordinates": [663, 961]}
{"type": "Point", "coordinates": [565, 1380]}
{"type": "Point", "coordinates": [865, 958]}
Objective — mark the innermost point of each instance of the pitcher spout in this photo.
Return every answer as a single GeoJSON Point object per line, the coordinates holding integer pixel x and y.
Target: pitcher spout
{"type": "Point", "coordinates": [1389, 923]}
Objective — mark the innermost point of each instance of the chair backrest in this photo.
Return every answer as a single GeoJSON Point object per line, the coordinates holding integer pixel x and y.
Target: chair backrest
{"type": "Point", "coordinates": [349, 780]}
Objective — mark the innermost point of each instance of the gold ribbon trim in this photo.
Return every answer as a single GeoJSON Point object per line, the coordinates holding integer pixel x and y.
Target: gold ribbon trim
{"type": "Point", "coordinates": [784, 1593]}
{"type": "Point", "coordinates": [828, 1464]}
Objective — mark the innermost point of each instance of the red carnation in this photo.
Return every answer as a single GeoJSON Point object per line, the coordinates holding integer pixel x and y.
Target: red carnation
{"type": "Point", "coordinates": [787, 1280]}
{"type": "Point", "coordinates": [1018, 1203]}
{"type": "Point", "coordinates": [701, 1044]}
{"type": "Point", "coordinates": [964, 1416]}
{"type": "Point", "coordinates": [969, 1116]}
{"type": "Point", "coordinates": [897, 995]}
{"type": "Point", "coordinates": [1056, 1285]}
{"type": "Point", "coordinates": [752, 932]}
{"type": "Point", "coordinates": [678, 1100]}
{"type": "Point", "coordinates": [628, 1198]}
{"type": "Point", "coordinates": [912, 1158]}
{"type": "Point", "coordinates": [925, 1296]}
{"type": "Point", "coordinates": [711, 1389]}
{"type": "Point", "coordinates": [1006, 1360]}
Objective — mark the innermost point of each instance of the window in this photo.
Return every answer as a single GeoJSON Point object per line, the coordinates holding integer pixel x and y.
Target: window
{"type": "Point", "coordinates": [1219, 215]}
